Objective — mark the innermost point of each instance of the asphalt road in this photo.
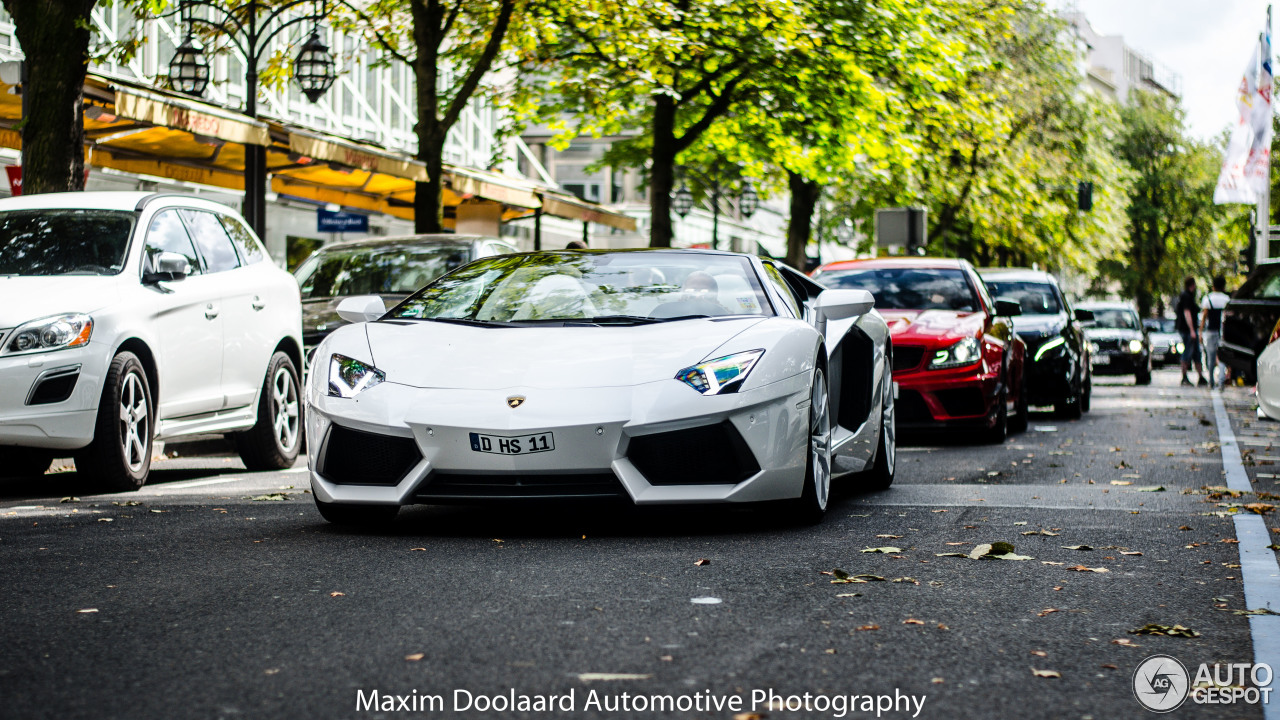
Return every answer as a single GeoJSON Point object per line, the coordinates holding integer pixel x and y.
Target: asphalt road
{"type": "Point", "coordinates": [218, 593]}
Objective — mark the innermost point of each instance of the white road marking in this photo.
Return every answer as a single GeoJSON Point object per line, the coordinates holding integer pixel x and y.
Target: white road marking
{"type": "Point", "coordinates": [194, 484]}
{"type": "Point", "coordinates": [1258, 568]}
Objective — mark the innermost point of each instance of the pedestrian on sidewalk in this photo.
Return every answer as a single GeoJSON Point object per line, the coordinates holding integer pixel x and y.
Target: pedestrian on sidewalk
{"type": "Point", "coordinates": [1185, 320]}
{"type": "Point", "coordinates": [1211, 327]}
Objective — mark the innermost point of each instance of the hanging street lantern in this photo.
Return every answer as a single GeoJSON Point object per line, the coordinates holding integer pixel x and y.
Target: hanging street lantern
{"type": "Point", "coordinates": [189, 70]}
{"type": "Point", "coordinates": [748, 201]}
{"type": "Point", "coordinates": [682, 201]}
{"type": "Point", "coordinates": [314, 69]}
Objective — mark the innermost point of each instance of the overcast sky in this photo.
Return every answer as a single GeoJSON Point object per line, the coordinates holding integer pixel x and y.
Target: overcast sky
{"type": "Point", "coordinates": [1208, 42]}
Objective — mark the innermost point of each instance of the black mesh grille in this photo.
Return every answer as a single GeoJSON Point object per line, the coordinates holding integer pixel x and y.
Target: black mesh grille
{"type": "Point", "coordinates": [707, 455]}
{"type": "Point", "coordinates": [906, 357]}
{"type": "Point", "coordinates": [961, 401]}
{"type": "Point", "coordinates": [353, 457]}
{"type": "Point", "coordinates": [911, 408]}
{"type": "Point", "coordinates": [54, 389]}
{"type": "Point", "coordinates": [455, 486]}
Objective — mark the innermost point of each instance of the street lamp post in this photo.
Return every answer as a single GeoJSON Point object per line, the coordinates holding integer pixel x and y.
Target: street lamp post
{"type": "Point", "coordinates": [682, 201]}
{"type": "Point", "coordinates": [251, 27]}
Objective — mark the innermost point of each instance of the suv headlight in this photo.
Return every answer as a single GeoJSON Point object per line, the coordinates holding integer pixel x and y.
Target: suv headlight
{"type": "Point", "coordinates": [721, 375]}
{"type": "Point", "coordinates": [52, 333]}
{"type": "Point", "coordinates": [349, 377]}
{"type": "Point", "coordinates": [1135, 346]}
{"type": "Point", "coordinates": [962, 353]}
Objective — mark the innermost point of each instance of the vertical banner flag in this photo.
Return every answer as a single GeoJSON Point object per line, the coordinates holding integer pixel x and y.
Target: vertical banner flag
{"type": "Point", "coordinates": [1246, 169]}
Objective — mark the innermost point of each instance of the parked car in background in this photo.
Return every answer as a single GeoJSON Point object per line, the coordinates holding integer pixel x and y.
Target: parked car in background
{"type": "Point", "coordinates": [649, 376]}
{"type": "Point", "coordinates": [1166, 343]}
{"type": "Point", "coordinates": [956, 357]}
{"type": "Point", "coordinates": [391, 268]}
{"type": "Point", "coordinates": [1118, 344]}
{"type": "Point", "coordinates": [1249, 319]}
{"type": "Point", "coordinates": [1057, 369]}
{"type": "Point", "coordinates": [128, 317]}
{"type": "Point", "coordinates": [1268, 388]}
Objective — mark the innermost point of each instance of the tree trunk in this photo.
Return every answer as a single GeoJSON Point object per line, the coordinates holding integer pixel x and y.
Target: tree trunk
{"type": "Point", "coordinates": [428, 210]}
{"type": "Point", "coordinates": [662, 172]}
{"type": "Point", "coordinates": [54, 35]}
{"type": "Point", "coordinates": [804, 198]}
{"type": "Point", "coordinates": [428, 196]}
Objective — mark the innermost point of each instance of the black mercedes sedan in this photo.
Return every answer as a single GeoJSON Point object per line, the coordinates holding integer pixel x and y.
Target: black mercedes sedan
{"type": "Point", "coordinates": [1249, 319]}
{"type": "Point", "coordinates": [1057, 369]}
{"type": "Point", "coordinates": [1118, 343]}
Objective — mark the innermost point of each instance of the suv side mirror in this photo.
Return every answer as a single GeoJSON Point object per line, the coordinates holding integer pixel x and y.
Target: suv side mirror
{"type": "Point", "coordinates": [1084, 315]}
{"type": "Point", "coordinates": [167, 267]}
{"type": "Point", "coordinates": [361, 308]}
{"type": "Point", "coordinates": [1008, 308]}
{"type": "Point", "coordinates": [838, 304]}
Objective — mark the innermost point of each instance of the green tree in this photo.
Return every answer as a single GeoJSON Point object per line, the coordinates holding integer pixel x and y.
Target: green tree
{"type": "Point", "coordinates": [669, 69]}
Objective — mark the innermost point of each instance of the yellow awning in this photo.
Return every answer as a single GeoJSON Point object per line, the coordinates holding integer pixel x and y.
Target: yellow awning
{"type": "Point", "coordinates": [355, 155]}
{"type": "Point", "coordinates": [197, 118]}
{"type": "Point", "coordinates": [465, 183]}
{"type": "Point", "coordinates": [568, 206]}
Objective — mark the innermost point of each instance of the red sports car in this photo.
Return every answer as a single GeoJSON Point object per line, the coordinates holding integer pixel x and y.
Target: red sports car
{"type": "Point", "coordinates": [956, 358]}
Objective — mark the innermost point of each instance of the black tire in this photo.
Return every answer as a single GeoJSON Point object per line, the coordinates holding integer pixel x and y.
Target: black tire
{"type": "Point", "coordinates": [1143, 376]}
{"type": "Point", "coordinates": [811, 506]}
{"type": "Point", "coordinates": [273, 442]}
{"type": "Point", "coordinates": [880, 476]}
{"type": "Point", "coordinates": [1072, 408]}
{"type": "Point", "coordinates": [16, 462]}
{"type": "Point", "coordinates": [1086, 397]}
{"type": "Point", "coordinates": [1022, 415]}
{"type": "Point", "coordinates": [996, 435]}
{"type": "Point", "coordinates": [119, 458]}
{"type": "Point", "coordinates": [367, 516]}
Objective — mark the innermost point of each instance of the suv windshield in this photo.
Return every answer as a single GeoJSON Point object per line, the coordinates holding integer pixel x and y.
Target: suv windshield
{"type": "Point", "coordinates": [64, 241]}
{"type": "Point", "coordinates": [1037, 298]}
{"type": "Point", "coordinates": [1115, 319]}
{"type": "Point", "coordinates": [909, 288]}
{"type": "Point", "coordinates": [614, 287]}
{"type": "Point", "coordinates": [387, 270]}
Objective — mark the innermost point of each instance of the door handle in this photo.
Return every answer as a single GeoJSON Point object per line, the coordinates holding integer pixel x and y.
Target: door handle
{"type": "Point", "coordinates": [210, 312]}
{"type": "Point", "coordinates": [258, 303]}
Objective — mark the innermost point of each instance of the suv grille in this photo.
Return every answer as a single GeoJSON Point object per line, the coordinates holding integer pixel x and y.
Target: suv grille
{"type": "Point", "coordinates": [354, 457]}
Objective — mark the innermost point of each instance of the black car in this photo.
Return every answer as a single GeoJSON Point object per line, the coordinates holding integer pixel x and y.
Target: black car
{"type": "Point", "coordinates": [1057, 365]}
{"type": "Point", "coordinates": [391, 267]}
{"type": "Point", "coordinates": [1118, 343]}
{"type": "Point", "coordinates": [1250, 317]}
{"type": "Point", "coordinates": [1166, 343]}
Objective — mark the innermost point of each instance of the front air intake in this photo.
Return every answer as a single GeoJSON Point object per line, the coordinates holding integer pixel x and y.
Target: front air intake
{"type": "Point", "coordinates": [354, 457]}
{"type": "Point", "coordinates": [706, 455]}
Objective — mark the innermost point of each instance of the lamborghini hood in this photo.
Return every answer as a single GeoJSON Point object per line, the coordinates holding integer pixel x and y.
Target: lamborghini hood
{"type": "Point", "coordinates": [440, 355]}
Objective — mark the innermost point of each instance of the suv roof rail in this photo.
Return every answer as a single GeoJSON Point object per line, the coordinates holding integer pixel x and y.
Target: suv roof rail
{"type": "Point", "coordinates": [156, 196]}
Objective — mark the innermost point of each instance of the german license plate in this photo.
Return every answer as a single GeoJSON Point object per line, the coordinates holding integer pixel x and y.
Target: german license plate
{"type": "Point", "coordinates": [1101, 359]}
{"type": "Point", "coordinates": [512, 445]}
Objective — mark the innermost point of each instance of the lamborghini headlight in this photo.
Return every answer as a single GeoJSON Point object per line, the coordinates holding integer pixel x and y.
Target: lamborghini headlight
{"type": "Point", "coordinates": [1135, 346]}
{"type": "Point", "coordinates": [52, 333]}
{"type": "Point", "coordinates": [349, 377]}
{"type": "Point", "coordinates": [1049, 346]}
{"type": "Point", "coordinates": [962, 353]}
{"type": "Point", "coordinates": [721, 375]}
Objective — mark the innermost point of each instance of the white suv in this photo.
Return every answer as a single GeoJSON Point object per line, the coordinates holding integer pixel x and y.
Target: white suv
{"type": "Point", "coordinates": [127, 317]}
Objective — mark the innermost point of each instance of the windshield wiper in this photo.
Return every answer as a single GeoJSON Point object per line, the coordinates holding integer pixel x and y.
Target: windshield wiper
{"type": "Point", "coordinates": [463, 321]}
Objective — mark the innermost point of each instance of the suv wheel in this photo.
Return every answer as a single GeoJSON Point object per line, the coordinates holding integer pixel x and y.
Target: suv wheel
{"type": "Point", "coordinates": [119, 458]}
{"type": "Point", "coordinates": [272, 443]}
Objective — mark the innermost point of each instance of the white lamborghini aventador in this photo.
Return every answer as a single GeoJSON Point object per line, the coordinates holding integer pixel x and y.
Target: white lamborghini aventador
{"type": "Point", "coordinates": [654, 376]}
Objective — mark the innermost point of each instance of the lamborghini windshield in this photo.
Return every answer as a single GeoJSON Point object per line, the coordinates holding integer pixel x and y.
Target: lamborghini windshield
{"type": "Point", "coordinates": [628, 286]}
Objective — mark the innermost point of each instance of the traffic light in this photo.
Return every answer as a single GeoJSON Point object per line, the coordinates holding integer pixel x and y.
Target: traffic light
{"type": "Point", "coordinates": [1084, 195]}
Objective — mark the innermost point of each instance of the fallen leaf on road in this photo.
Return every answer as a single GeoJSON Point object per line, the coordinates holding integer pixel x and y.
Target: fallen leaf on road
{"type": "Point", "coordinates": [1109, 666]}
{"type": "Point", "coordinates": [1050, 562]}
{"type": "Point", "coordinates": [1258, 611]}
{"type": "Point", "coordinates": [337, 594]}
{"type": "Point", "coordinates": [750, 716]}
{"type": "Point", "coordinates": [959, 543]}
{"type": "Point", "coordinates": [1082, 568]}
{"type": "Point", "coordinates": [88, 610]}
{"type": "Point", "coordinates": [1185, 527]}
{"type": "Point", "coordinates": [911, 580]}
{"type": "Point", "coordinates": [939, 511]}
{"type": "Point", "coordinates": [937, 681]}
{"type": "Point", "coordinates": [271, 671]}
{"type": "Point", "coordinates": [588, 677]}
{"type": "Point", "coordinates": [1130, 552]}
{"type": "Point", "coordinates": [1046, 673]}
{"type": "Point", "coordinates": [868, 627]}
{"type": "Point", "coordinates": [883, 550]}
{"type": "Point", "coordinates": [849, 595]}
{"type": "Point", "coordinates": [273, 497]}
{"type": "Point", "coordinates": [1231, 541]}
{"type": "Point", "coordinates": [1121, 482]}
{"type": "Point", "coordinates": [702, 561]}
{"type": "Point", "coordinates": [943, 627]}
{"type": "Point", "coordinates": [1152, 488]}
{"type": "Point", "coordinates": [104, 520]}
{"type": "Point", "coordinates": [417, 549]}
{"type": "Point", "coordinates": [963, 555]}
{"type": "Point", "coordinates": [830, 651]}
{"type": "Point", "coordinates": [1012, 556]}
{"type": "Point", "coordinates": [889, 537]}
{"type": "Point", "coordinates": [912, 621]}
{"type": "Point", "coordinates": [1259, 508]}
{"type": "Point", "coordinates": [1041, 532]}
{"type": "Point", "coordinates": [991, 549]}
{"type": "Point", "coordinates": [1047, 611]}
{"type": "Point", "coordinates": [415, 657]}
{"type": "Point", "coordinates": [1039, 653]}
{"type": "Point", "coordinates": [1169, 630]}
{"type": "Point", "coordinates": [1125, 642]}
{"type": "Point", "coordinates": [1022, 522]}
{"type": "Point", "coordinates": [1077, 547]}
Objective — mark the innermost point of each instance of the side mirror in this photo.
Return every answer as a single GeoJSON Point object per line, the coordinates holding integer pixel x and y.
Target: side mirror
{"type": "Point", "coordinates": [167, 266]}
{"type": "Point", "coordinates": [361, 308]}
{"type": "Point", "coordinates": [1008, 308]}
{"type": "Point", "coordinates": [838, 304]}
{"type": "Point", "coordinates": [1084, 315]}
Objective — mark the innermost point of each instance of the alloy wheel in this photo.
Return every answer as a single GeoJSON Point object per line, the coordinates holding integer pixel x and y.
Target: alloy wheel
{"type": "Point", "coordinates": [284, 409]}
{"type": "Point", "coordinates": [820, 440]}
{"type": "Point", "coordinates": [135, 422]}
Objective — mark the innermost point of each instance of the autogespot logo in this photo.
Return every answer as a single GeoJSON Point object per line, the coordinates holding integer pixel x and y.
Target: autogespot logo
{"type": "Point", "coordinates": [1160, 683]}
